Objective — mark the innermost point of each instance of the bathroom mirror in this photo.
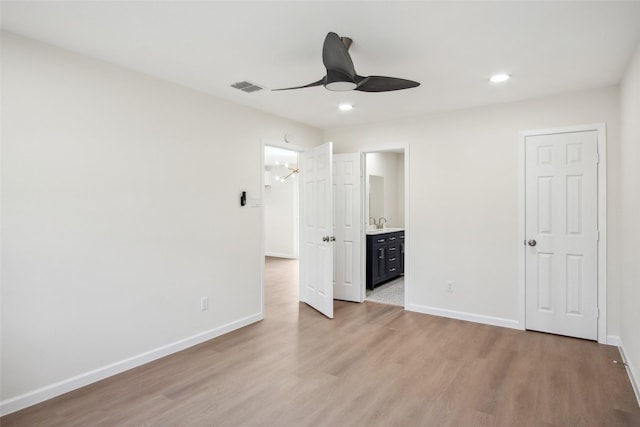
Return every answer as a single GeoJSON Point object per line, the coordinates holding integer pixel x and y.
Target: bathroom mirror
{"type": "Point", "coordinates": [376, 196]}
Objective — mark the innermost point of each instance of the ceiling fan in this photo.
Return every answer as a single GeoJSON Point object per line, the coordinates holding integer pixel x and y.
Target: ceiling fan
{"type": "Point", "coordinates": [341, 74]}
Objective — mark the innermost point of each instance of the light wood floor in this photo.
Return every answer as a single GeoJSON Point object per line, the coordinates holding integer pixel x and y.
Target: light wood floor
{"type": "Point", "coordinates": [373, 365]}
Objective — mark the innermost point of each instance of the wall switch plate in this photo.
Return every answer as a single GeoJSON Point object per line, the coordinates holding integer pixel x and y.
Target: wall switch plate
{"type": "Point", "coordinates": [450, 286]}
{"type": "Point", "coordinates": [204, 303]}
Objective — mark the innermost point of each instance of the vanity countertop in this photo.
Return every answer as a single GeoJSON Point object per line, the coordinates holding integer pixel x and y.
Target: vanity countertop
{"type": "Point", "coordinates": [383, 230]}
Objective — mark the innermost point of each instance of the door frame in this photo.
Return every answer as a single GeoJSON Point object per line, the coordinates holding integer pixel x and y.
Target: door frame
{"type": "Point", "coordinates": [601, 130]}
{"type": "Point", "coordinates": [364, 209]}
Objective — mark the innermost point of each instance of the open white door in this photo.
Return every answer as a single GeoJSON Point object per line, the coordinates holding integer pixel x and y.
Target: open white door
{"type": "Point", "coordinates": [562, 233]}
{"type": "Point", "coordinates": [316, 234]}
{"type": "Point", "coordinates": [347, 229]}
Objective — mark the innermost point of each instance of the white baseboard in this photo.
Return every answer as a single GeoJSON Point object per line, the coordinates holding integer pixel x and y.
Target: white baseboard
{"type": "Point", "coordinates": [279, 255]}
{"type": "Point", "coordinates": [612, 340]}
{"type": "Point", "coordinates": [469, 317]}
{"type": "Point", "coordinates": [45, 393]}
{"type": "Point", "coordinates": [630, 371]}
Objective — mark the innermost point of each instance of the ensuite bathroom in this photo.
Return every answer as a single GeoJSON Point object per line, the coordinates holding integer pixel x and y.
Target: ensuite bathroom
{"type": "Point", "coordinates": [385, 232]}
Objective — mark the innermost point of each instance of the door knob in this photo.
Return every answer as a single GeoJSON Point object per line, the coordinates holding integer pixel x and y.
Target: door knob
{"type": "Point", "coordinates": [325, 238]}
{"type": "Point", "coordinates": [532, 242]}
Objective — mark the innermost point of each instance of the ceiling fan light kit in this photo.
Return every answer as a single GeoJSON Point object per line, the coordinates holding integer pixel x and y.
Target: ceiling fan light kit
{"type": "Point", "coordinates": [341, 74]}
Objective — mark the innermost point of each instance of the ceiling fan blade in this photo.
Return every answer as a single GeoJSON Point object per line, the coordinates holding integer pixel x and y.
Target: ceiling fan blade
{"type": "Point", "coordinates": [335, 56]}
{"type": "Point", "coordinates": [318, 83]}
{"type": "Point", "coordinates": [384, 84]}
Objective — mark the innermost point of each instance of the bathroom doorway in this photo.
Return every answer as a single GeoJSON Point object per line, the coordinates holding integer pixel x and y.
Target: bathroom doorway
{"type": "Point", "coordinates": [385, 232]}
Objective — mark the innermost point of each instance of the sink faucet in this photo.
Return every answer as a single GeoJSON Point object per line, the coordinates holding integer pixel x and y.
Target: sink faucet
{"type": "Point", "coordinates": [380, 224]}
{"type": "Point", "coordinates": [372, 221]}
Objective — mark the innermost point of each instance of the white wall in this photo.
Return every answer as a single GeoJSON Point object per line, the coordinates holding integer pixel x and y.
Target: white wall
{"type": "Point", "coordinates": [281, 217]}
{"type": "Point", "coordinates": [386, 164]}
{"type": "Point", "coordinates": [628, 216]}
{"type": "Point", "coordinates": [463, 198]}
{"type": "Point", "coordinates": [120, 210]}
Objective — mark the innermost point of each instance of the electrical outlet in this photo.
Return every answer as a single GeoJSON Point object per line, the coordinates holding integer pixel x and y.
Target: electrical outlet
{"type": "Point", "coordinates": [204, 303]}
{"type": "Point", "coordinates": [450, 286]}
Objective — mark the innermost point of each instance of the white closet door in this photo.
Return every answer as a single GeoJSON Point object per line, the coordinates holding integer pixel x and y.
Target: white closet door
{"type": "Point", "coordinates": [562, 234]}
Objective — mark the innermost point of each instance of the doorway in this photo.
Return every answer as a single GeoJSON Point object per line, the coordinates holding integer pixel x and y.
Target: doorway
{"type": "Point", "coordinates": [281, 202]}
{"type": "Point", "coordinates": [384, 216]}
{"type": "Point", "coordinates": [563, 231]}
{"type": "Point", "coordinates": [280, 205]}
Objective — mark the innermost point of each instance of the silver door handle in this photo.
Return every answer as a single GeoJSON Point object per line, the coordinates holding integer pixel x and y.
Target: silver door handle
{"type": "Point", "coordinates": [532, 242]}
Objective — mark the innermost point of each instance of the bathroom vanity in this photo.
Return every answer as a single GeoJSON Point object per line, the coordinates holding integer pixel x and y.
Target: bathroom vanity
{"type": "Point", "coordinates": [385, 255]}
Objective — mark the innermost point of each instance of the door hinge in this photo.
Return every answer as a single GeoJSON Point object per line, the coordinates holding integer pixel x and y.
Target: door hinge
{"type": "Point", "coordinates": [597, 158]}
{"type": "Point", "coordinates": [597, 236]}
{"type": "Point", "coordinates": [597, 313]}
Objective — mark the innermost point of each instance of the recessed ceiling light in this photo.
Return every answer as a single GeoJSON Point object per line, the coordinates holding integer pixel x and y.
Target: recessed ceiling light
{"type": "Point", "coordinates": [345, 107]}
{"type": "Point", "coordinates": [499, 78]}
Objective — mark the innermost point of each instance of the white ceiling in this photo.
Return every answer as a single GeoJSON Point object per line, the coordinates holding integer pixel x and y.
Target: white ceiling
{"type": "Point", "coordinates": [450, 47]}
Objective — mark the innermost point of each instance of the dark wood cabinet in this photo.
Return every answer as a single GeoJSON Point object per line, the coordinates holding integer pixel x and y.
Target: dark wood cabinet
{"type": "Point", "coordinates": [401, 258]}
{"type": "Point", "coordinates": [385, 257]}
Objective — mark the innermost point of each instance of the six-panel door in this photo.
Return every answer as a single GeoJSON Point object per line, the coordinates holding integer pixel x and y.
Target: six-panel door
{"type": "Point", "coordinates": [561, 233]}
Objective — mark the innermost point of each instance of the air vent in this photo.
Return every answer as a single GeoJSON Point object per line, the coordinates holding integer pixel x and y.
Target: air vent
{"type": "Point", "coordinates": [247, 87]}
